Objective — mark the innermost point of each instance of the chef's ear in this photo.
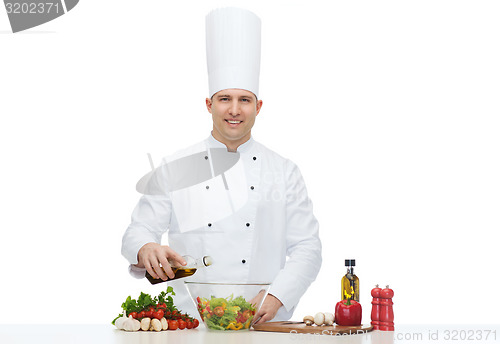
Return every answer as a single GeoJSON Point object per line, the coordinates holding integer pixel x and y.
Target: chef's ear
{"type": "Point", "coordinates": [259, 106]}
{"type": "Point", "coordinates": [208, 102]}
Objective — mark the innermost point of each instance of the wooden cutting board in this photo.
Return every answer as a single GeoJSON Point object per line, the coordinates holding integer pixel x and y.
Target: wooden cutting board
{"type": "Point", "coordinates": [300, 327]}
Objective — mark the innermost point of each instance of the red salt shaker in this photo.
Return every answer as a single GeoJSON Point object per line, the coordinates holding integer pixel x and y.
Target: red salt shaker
{"type": "Point", "coordinates": [386, 318]}
{"type": "Point", "coordinates": [376, 307]}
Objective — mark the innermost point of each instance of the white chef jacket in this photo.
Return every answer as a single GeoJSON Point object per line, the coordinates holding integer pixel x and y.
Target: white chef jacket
{"type": "Point", "coordinates": [273, 237]}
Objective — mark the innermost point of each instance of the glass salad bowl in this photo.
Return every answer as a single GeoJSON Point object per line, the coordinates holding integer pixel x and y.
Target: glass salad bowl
{"type": "Point", "coordinates": [227, 306]}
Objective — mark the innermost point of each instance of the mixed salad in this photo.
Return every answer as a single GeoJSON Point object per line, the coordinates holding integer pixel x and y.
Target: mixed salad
{"type": "Point", "coordinates": [226, 313]}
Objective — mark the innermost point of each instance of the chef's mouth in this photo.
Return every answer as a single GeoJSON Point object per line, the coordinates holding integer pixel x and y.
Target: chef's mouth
{"type": "Point", "coordinates": [233, 121]}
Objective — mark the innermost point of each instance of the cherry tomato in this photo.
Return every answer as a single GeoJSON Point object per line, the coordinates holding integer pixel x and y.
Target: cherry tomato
{"type": "Point", "coordinates": [195, 323]}
{"type": "Point", "coordinates": [149, 312]}
{"type": "Point", "coordinates": [219, 311]}
{"type": "Point", "coordinates": [162, 305]}
{"type": "Point", "coordinates": [182, 324]}
{"type": "Point", "coordinates": [158, 314]}
{"type": "Point", "coordinates": [133, 314]}
{"type": "Point", "coordinates": [141, 315]}
{"type": "Point", "coordinates": [189, 324]}
{"type": "Point", "coordinates": [173, 325]}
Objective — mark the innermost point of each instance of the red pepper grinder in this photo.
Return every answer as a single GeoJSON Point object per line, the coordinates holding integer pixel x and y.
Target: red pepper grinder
{"type": "Point", "coordinates": [376, 307]}
{"type": "Point", "coordinates": [386, 319]}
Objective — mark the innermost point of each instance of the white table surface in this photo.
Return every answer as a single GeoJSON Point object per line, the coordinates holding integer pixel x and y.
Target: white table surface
{"type": "Point", "coordinates": [96, 334]}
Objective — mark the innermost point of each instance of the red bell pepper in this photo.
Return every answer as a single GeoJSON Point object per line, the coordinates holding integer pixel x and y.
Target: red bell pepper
{"type": "Point", "coordinates": [348, 313]}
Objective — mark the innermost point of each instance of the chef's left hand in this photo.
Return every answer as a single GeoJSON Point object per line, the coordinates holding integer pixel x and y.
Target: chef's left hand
{"type": "Point", "coordinates": [268, 310]}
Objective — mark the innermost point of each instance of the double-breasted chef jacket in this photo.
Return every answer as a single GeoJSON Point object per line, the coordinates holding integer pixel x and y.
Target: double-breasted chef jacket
{"type": "Point", "coordinates": [271, 237]}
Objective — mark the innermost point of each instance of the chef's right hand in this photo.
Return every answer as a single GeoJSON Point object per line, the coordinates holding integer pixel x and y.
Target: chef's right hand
{"type": "Point", "coordinates": [152, 255]}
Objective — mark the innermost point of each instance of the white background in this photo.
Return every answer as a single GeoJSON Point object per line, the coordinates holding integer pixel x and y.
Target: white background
{"type": "Point", "coordinates": [390, 109]}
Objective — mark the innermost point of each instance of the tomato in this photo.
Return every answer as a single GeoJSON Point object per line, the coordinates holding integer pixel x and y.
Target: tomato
{"type": "Point", "coordinates": [162, 305]}
{"type": "Point", "coordinates": [241, 318]}
{"type": "Point", "coordinates": [219, 311]}
{"type": "Point", "coordinates": [133, 314]}
{"type": "Point", "coordinates": [182, 324]}
{"type": "Point", "coordinates": [158, 314]}
{"type": "Point", "coordinates": [149, 312]}
{"type": "Point", "coordinates": [195, 323]}
{"type": "Point", "coordinates": [189, 324]}
{"type": "Point", "coordinates": [173, 325]}
{"type": "Point", "coordinates": [246, 314]}
{"type": "Point", "coordinates": [141, 315]}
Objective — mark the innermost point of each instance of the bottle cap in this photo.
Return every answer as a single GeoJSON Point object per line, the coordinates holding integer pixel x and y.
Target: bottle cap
{"type": "Point", "coordinates": [350, 262]}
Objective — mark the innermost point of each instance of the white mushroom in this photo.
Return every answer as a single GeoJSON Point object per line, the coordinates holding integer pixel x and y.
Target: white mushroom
{"type": "Point", "coordinates": [329, 318]}
{"type": "Point", "coordinates": [164, 324]}
{"type": "Point", "coordinates": [319, 319]}
{"type": "Point", "coordinates": [308, 320]}
{"type": "Point", "coordinates": [145, 322]}
{"type": "Point", "coordinates": [155, 325]}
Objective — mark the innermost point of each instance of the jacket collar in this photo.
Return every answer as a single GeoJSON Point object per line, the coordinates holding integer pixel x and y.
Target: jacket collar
{"type": "Point", "coordinates": [244, 147]}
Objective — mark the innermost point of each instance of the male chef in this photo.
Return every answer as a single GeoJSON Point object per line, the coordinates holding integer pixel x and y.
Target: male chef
{"type": "Point", "coordinates": [229, 197]}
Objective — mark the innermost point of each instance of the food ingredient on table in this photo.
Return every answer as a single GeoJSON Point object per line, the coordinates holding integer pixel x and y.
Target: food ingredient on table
{"type": "Point", "coordinates": [319, 318]}
{"type": "Point", "coordinates": [308, 320]}
{"type": "Point", "coordinates": [173, 325]}
{"type": "Point", "coordinates": [131, 324]}
{"type": "Point", "coordinates": [153, 314]}
{"type": "Point", "coordinates": [164, 324]}
{"type": "Point", "coordinates": [155, 325]}
{"type": "Point", "coordinates": [329, 318]}
{"type": "Point", "coordinates": [348, 313]}
{"type": "Point", "coordinates": [145, 322]}
{"type": "Point", "coordinates": [231, 313]}
{"type": "Point", "coordinates": [121, 320]}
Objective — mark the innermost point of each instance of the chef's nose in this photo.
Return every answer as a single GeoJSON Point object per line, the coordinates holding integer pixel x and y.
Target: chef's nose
{"type": "Point", "coordinates": [234, 109]}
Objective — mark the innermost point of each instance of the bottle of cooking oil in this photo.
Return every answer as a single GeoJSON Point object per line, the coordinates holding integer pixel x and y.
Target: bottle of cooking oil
{"type": "Point", "coordinates": [350, 282]}
{"type": "Point", "coordinates": [181, 271]}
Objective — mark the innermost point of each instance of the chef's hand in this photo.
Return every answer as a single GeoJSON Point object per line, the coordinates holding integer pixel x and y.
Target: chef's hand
{"type": "Point", "coordinates": [268, 310]}
{"type": "Point", "coordinates": [152, 255]}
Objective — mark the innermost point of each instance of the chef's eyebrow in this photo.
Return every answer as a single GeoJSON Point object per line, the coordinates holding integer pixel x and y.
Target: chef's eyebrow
{"type": "Point", "coordinates": [219, 96]}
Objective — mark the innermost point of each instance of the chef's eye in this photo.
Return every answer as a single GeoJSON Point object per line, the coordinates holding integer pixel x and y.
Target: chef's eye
{"type": "Point", "coordinates": [224, 99]}
{"type": "Point", "coordinates": [246, 100]}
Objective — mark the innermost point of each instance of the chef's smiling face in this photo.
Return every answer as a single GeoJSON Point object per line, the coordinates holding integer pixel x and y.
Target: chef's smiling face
{"type": "Point", "coordinates": [233, 113]}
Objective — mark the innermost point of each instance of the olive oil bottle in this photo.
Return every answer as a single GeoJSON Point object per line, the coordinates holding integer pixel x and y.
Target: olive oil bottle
{"type": "Point", "coordinates": [183, 271]}
{"type": "Point", "coordinates": [350, 282]}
